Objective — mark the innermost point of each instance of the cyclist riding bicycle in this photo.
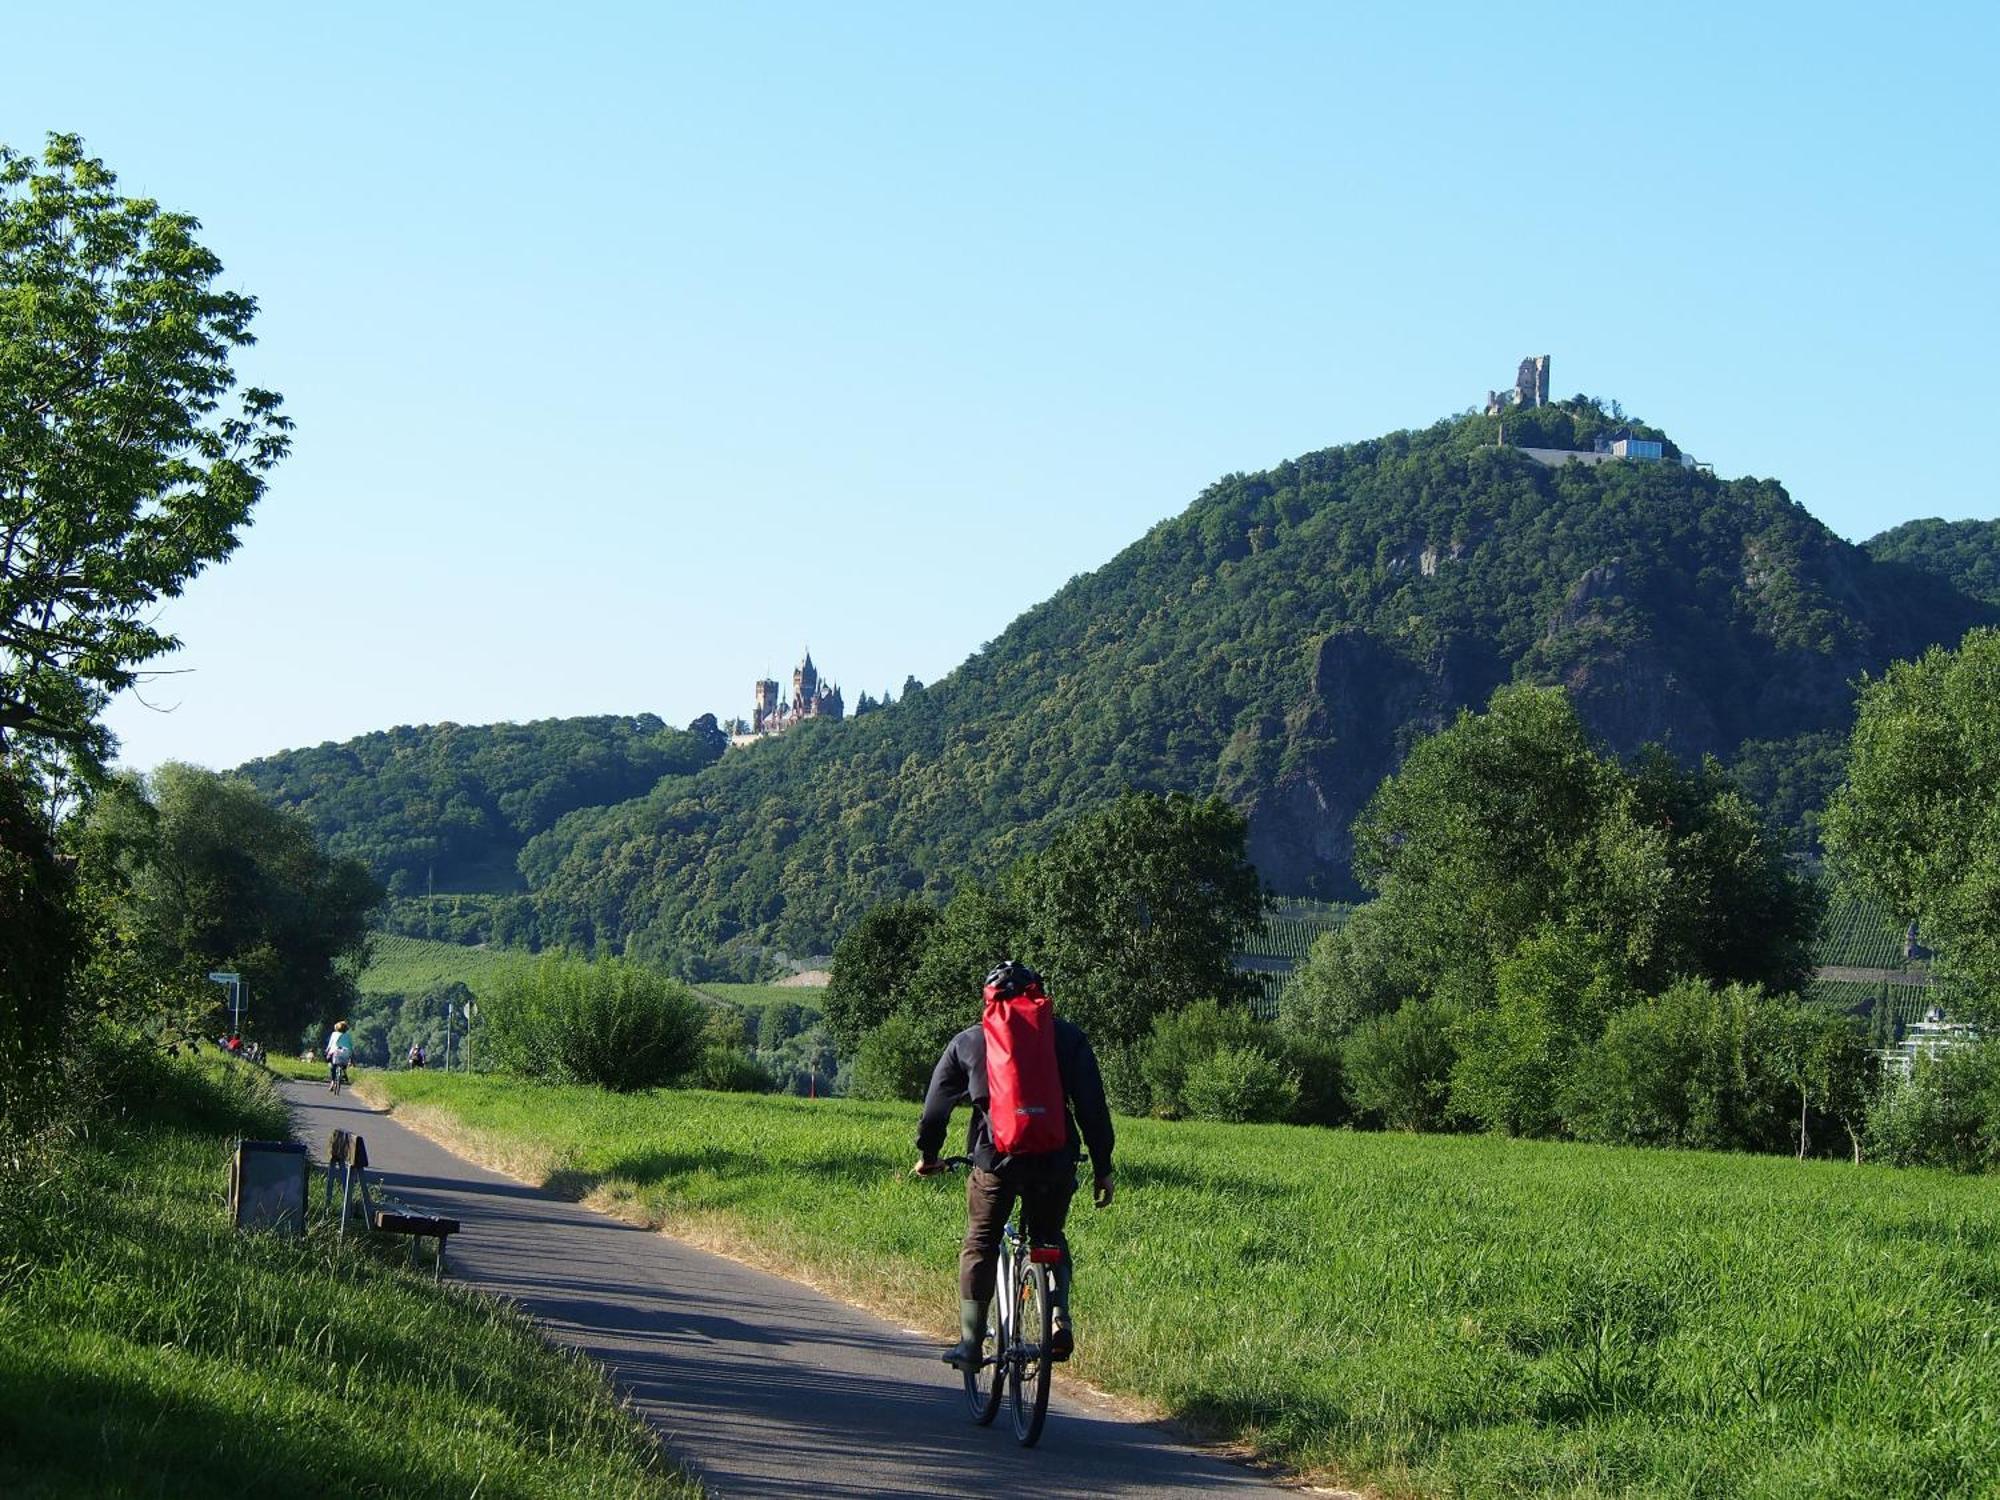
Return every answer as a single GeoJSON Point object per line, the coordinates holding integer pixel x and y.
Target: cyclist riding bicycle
{"type": "Point", "coordinates": [1042, 1180]}
{"type": "Point", "coordinates": [339, 1053]}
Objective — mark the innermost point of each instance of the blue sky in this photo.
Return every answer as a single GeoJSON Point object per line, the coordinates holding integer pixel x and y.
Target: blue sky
{"type": "Point", "coordinates": [634, 348]}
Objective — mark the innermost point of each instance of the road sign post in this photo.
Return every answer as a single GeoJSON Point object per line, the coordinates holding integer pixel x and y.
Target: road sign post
{"type": "Point", "coordinates": [235, 983]}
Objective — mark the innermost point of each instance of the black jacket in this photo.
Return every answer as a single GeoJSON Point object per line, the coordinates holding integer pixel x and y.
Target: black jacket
{"type": "Point", "coordinates": [960, 1077]}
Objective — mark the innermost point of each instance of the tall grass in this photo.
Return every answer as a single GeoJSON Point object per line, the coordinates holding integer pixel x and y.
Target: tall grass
{"type": "Point", "coordinates": [147, 1349]}
{"type": "Point", "coordinates": [1436, 1315]}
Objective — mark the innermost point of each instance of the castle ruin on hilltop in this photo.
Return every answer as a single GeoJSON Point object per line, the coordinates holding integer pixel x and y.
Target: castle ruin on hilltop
{"type": "Point", "coordinates": [812, 698]}
{"type": "Point", "coordinates": [1531, 387]}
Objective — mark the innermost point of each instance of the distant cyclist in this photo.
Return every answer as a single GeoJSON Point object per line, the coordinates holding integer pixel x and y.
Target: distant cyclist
{"type": "Point", "coordinates": [339, 1053]}
{"type": "Point", "coordinates": [1043, 1177]}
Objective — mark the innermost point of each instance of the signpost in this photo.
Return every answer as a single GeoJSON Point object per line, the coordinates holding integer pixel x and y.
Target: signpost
{"type": "Point", "coordinates": [235, 983]}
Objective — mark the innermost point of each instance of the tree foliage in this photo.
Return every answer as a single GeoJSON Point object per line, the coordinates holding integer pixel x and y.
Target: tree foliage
{"type": "Point", "coordinates": [122, 472]}
{"type": "Point", "coordinates": [1966, 554]}
{"type": "Point", "coordinates": [451, 805]}
{"type": "Point", "coordinates": [38, 941]}
{"type": "Point", "coordinates": [1917, 826]}
{"type": "Point", "coordinates": [1140, 909]}
{"type": "Point", "coordinates": [1511, 823]}
{"type": "Point", "coordinates": [186, 872]}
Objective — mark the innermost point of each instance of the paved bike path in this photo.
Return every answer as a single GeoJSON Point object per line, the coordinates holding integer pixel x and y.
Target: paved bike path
{"type": "Point", "coordinates": [763, 1386]}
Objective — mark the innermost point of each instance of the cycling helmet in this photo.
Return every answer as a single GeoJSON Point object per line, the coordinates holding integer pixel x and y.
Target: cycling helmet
{"type": "Point", "coordinates": [1009, 980]}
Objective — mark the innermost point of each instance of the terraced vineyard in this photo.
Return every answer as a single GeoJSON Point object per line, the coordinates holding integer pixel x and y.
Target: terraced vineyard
{"type": "Point", "coordinates": [399, 965]}
{"type": "Point", "coordinates": [1283, 943]}
{"type": "Point", "coordinates": [1906, 1003]}
{"type": "Point", "coordinates": [1858, 934]}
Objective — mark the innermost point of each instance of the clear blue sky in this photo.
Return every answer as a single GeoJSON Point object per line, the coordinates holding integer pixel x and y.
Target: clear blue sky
{"type": "Point", "coordinates": [634, 348]}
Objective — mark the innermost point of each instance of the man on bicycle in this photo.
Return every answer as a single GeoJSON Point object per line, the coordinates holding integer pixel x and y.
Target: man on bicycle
{"type": "Point", "coordinates": [1044, 1182]}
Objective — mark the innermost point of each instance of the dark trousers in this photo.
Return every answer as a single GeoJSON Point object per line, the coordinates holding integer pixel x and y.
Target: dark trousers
{"type": "Point", "coordinates": [989, 1198]}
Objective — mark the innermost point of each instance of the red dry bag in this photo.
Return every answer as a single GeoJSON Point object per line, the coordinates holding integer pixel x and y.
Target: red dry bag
{"type": "Point", "coordinates": [1024, 1104]}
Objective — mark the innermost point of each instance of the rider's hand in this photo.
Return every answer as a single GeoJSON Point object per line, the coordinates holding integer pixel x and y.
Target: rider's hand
{"type": "Point", "coordinates": [1101, 1191]}
{"type": "Point", "coordinates": [927, 1166]}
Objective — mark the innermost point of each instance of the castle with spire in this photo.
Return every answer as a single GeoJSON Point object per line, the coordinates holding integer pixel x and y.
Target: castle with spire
{"type": "Point", "coordinates": [812, 698]}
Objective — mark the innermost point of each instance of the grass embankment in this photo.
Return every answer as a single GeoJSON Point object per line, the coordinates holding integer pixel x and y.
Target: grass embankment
{"type": "Point", "coordinates": [1443, 1315]}
{"type": "Point", "coordinates": [148, 1349]}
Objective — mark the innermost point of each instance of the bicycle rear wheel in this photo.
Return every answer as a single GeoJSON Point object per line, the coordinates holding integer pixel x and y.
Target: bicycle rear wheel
{"type": "Point", "coordinates": [1028, 1358]}
{"type": "Point", "coordinates": [984, 1385]}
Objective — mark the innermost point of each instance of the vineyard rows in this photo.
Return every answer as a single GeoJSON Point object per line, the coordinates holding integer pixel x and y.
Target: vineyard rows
{"type": "Point", "coordinates": [1858, 934]}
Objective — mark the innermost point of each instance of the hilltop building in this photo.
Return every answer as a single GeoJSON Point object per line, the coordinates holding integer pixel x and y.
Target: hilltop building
{"type": "Point", "coordinates": [1531, 389]}
{"type": "Point", "coordinates": [812, 698]}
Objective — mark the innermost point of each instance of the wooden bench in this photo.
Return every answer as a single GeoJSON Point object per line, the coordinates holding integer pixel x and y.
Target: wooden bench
{"type": "Point", "coordinates": [347, 1153]}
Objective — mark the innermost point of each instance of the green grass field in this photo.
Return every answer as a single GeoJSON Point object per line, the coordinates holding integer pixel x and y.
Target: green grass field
{"type": "Point", "coordinates": [147, 1349]}
{"type": "Point", "coordinates": [1456, 1316]}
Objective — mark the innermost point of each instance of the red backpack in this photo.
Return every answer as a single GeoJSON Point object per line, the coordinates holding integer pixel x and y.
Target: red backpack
{"type": "Point", "coordinates": [1025, 1105]}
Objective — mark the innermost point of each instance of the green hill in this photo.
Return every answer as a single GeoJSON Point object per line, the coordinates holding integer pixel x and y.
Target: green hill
{"type": "Point", "coordinates": [1966, 554]}
{"type": "Point", "coordinates": [450, 805]}
{"type": "Point", "coordinates": [1282, 641]}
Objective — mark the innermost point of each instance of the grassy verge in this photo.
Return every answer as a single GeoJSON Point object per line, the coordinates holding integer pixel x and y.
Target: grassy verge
{"type": "Point", "coordinates": [147, 1349]}
{"type": "Point", "coordinates": [1433, 1315]}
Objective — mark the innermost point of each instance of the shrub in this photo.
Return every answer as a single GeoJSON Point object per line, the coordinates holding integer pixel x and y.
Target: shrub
{"type": "Point", "coordinates": [1946, 1113]}
{"type": "Point", "coordinates": [1240, 1084]}
{"type": "Point", "coordinates": [611, 1023]}
{"type": "Point", "coordinates": [1181, 1040]}
{"type": "Point", "coordinates": [895, 1060]}
{"type": "Point", "coordinates": [730, 1070]}
{"type": "Point", "coordinates": [1398, 1066]}
{"type": "Point", "coordinates": [1322, 1093]}
{"type": "Point", "coordinates": [1699, 1067]}
{"type": "Point", "coordinates": [1125, 1083]}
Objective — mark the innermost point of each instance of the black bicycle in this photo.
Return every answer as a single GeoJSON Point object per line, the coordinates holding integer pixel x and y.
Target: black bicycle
{"type": "Point", "coordinates": [1014, 1357]}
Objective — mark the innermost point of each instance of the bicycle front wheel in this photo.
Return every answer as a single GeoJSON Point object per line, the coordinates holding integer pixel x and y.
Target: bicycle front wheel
{"type": "Point", "coordinates": [1028, 1364]}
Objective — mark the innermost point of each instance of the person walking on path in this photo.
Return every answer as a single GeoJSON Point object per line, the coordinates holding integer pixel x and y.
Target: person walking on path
{"type": "Point", "coordinates": [1044, 1179]}
{"type": "Point", "coordinates": [339, 1053]}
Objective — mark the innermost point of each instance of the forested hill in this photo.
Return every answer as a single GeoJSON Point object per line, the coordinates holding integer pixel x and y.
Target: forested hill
{"type": "Point", "coordinates": [1283, 640]}
{"type": "Point", "coordinates": [1965, 554]}
{"type": "Point", "coordinates": [452, 804]}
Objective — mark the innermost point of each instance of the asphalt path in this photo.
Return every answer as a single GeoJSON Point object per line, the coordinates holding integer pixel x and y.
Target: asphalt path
{"type": "Point", "coordinates": [763, 1386]}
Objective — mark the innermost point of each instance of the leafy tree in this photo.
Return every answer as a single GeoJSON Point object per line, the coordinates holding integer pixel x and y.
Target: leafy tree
{"type": "Point", "coordinates": [1835, 1074]}
{"type": "Point", "coordinates": [1917, 826]}
{"type": "Point", "coordinates": [1240, 1085]}
{"type": "Point", "coordinates": [1139, 909]}
{"type": "Point", "coordinates": [874, 967]}
{"type": "Point", "coordinates": [1182, 1040]}
{"type": "Point", "coordinates": [1553, 995]}
{"type": "Point", "coordinates": [122, 474]}
{"type": "Point", "coordinates": [38, 936]}
{"type": "Point", "coordinates": [1361, 969]}
{"type": "Point", "coordinates": [895, 1059]}
{"type": "Point", "coordinates": [192, 872]}
{"type": "Point", "coordinates": [1512, 819]}
{"type": "Point", "coordinates": [976, 930]}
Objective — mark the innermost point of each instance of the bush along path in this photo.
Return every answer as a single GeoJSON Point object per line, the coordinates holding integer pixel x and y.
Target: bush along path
{"type": "Point", "coordinates": [766, 1387]}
